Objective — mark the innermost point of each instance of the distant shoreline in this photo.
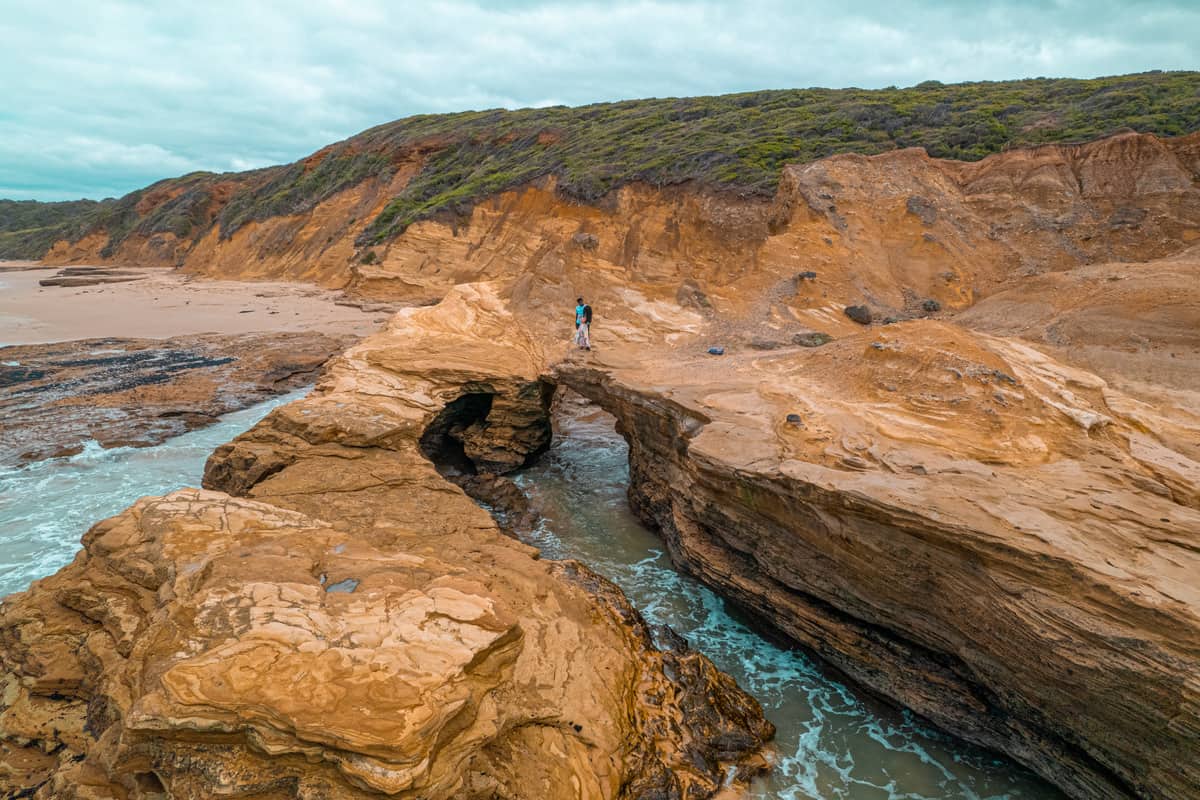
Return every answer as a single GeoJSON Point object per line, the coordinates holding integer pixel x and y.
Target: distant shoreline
{"type": "Point", "coordinates": [164, 304]}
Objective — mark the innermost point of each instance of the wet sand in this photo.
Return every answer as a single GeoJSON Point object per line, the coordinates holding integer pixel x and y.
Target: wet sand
{"type": "Point", "coordinates": [164, 304]}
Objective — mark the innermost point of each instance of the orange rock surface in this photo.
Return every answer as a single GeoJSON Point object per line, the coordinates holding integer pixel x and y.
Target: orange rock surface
{"type": "Point", "coordinates": [359, 628]}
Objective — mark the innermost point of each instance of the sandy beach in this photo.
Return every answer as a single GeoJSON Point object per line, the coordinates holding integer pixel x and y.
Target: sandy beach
{"type": "Point", "coordinates": [164, 304]}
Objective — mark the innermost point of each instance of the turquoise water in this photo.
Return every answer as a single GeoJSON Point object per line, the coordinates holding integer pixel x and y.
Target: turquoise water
{"type": "Point", "coordinates": [833, 742]}
{"type": "Point", "coordinates": [47, 506]}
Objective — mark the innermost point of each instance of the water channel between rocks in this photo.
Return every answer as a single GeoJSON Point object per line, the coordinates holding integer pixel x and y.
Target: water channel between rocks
{"type": "Point", "coordinates": [832, 740]}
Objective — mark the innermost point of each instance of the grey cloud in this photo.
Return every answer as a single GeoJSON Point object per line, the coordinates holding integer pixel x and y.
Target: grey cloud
{"type": "Point", "coordinates": [102, 97]}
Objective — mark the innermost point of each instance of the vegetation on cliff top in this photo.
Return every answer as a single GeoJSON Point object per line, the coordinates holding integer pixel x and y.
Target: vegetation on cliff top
{"type": "Point", "coordinates": [741, 142]}
{"type": "Point", "coordinates": [737, 143]}
{"type": "Point", "coordinates": [28, 228]}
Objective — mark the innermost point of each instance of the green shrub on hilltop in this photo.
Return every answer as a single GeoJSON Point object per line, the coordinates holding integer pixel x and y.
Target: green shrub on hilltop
{"type": "Point", "coordinates": [29, 228]}
{"type": "Point", "coordinates": [737, 143]}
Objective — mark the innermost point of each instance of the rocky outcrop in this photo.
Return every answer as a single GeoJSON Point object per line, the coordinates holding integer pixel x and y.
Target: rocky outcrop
{"type": "Point", "coordinates": [91, 276]}
{"type": "Point", "coordinates": [139, 392]}
{"type": "Point", "coordinates": [357, 626]}
{"type": "Point", "coordinates": [202, 645]}
{"type": "Point", "coordinates": [990, 537]}
{"type": "Point", "coordinates": [969, 525]}
{"type": "Point", "coordinates": [990, 518]}
{"type": "Point", "coordinates": [890, 231]}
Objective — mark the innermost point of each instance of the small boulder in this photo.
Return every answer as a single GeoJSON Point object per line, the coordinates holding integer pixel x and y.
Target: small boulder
{"type": "Point", "coordinates": [689, 295]}
{"type": "Point", "coordinates": [811, 339]}
{"type": "Point", "coordinates": [801, 277]}
{"type": "Point", "coordinates": [794, 419]}
{"type": "Point", "coordinates": [716, 351]}
{"type": "Point", "coordinates": [860, 314]}
{"type": "Point", "coordinates": [931, 306]}
{"type": "Point", "coordinates": [922, 209]}
{"type": "Point", "coordinates": [587, 241]}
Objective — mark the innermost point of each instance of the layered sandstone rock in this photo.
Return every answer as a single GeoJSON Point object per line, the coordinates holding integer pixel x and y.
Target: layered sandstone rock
{"type": "Point", "coordinates": [891, 230]}
{"type": "Point", "coordinates": [205, 646]}
{"type": "Point", "coordinates": [960, 523]}
{"type": "Point", "coordinates": [358, 627]}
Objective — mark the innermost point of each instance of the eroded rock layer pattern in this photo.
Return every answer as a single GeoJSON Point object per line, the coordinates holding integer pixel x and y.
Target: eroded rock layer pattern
{"type": "Point", "coordinates": [986, 510]}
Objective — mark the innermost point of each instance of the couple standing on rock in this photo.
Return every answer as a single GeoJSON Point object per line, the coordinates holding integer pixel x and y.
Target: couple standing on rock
{"type": "Point", "coordinates": [583, 324]}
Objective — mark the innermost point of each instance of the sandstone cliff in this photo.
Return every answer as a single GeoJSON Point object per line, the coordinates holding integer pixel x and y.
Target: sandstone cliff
{"type": "Point", "coordinates": [316, 218]}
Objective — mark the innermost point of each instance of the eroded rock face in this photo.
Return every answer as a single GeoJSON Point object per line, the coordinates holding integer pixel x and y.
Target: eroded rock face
{"type": "Point", "coordinates": [990, 518]}
{"type": "Point", "coordinates": [202, 645]}
{"type": "Point", "coordinates": [139, 392]}
{"type": "Point", "coordinates": [961, 523]}
{"type": "Point", "coordinates": [358, 626]}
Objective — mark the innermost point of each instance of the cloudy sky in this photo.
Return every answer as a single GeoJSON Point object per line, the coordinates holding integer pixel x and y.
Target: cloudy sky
{"type": "Point", "coordinates": [100, 97]}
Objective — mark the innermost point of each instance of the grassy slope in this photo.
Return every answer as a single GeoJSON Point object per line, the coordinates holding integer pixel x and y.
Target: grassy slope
{"type": "Point", "coordinates": [28, 228]}
{"type": "Point", "coordinates": [736, 143]}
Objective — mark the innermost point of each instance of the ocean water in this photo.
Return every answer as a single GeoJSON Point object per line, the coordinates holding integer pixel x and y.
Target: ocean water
{"type": "Point", "coordinates": [832, 740]}
{"type": "Point", "coordinates": [47, 506]}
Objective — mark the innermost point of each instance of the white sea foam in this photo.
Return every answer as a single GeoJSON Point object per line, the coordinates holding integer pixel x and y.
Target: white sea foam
{"type": "Point", "coordinates": [47, 506]}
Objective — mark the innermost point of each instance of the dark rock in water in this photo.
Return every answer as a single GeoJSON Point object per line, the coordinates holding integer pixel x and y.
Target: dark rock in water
{"type": "Point", "coordinates": [716, 351]}
{"type": "Point", "coordinates": [588, 241]}
{"type": "Point", "coordinates": [811, 339]}
{"type": "Point", "coordinates": [931, 306]}
{"type": "Point", "coordinates": [860, 314]}
{"type": "Point", "coordinates": [765, 344]}
{"type": "Point", "coordinates": [54, 397]}
{"type": "Point", "coordinates": [923, 209]}
{"type": "Point", "coordinates": [667, 638]}
{"type": "Point", "coordinates": [505, 499]}
{"type": "Point", "coordinates": [794, 419]}
{"type": "Point", "coordinates": [689, 295]}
